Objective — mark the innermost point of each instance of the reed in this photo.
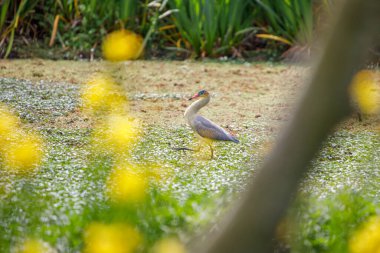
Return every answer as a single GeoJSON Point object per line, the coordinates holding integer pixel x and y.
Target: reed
{"type": "Point", "coordinates": [287, 20]}
{"type": "Point", "coordinates": [12, 15]}
{"type": "Point", "coordinates": [203, 28]}
{"type": "Point", "coordinates": [211, 27]}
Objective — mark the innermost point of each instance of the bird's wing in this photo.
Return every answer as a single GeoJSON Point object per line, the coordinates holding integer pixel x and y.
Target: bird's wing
{"type": "Point", "coordinates": [208, 129]}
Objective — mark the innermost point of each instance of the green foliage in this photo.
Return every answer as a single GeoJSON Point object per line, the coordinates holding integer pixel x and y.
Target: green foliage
{"type": "Point", "coordinates": [338, 194]}
{"type": "Point", "coordinates": [82, 24]}
{"type": "Point", "coordinates": [12, 14]}
{"type": "Point", "coordinates": [326, 225]}
{"type": "Point", "coordinates": [212, 27]}
{"type": "Point", "coordinates": [205, 28]}
{"type": "Point", "coordinates": [59, 201]}
{"type": "Point", "coordinates": [290, 19]}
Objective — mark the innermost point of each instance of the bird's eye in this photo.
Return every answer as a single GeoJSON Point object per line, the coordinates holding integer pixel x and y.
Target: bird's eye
{"type": "Point", "coordinates": [201, 92]}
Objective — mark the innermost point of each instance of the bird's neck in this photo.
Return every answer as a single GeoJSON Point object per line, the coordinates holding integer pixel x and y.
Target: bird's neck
{"type": "Point", "coordinates": [192, 110]}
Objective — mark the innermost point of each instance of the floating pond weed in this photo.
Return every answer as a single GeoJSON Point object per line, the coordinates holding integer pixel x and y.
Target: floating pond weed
{"type": "Point", "coordinates": [175, 193]}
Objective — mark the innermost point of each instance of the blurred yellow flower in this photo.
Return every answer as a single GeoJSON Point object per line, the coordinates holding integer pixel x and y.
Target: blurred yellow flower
{"type": "Point", "coordinates": [121, 131]}
{"type": "Point", "coordinates": [169, 245]}
{"type": "Point", "coordinates": [367, 238]}
{"type": "Point", "coordinates": [8, 123]}
{"type": "Point", "coordinates": [111, 238]}
{"type": "Point", "coordinates": [23, 153]}
{"type": "Point", "coordinates": [365, 92]}
{"type": "Point", "coordinates": [122, 45]}
{"type": "Point", "coordinates": [35, 246]}
{"type": "Point", "coordinates": [103, 94]}
{"type": "Point", "coordinates": [116, 133]}
{"type": "Point", "coordinates": [126, 185]}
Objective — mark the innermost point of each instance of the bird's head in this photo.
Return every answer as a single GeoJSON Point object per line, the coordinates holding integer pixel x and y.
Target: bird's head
{"type": "Point", "coordinates": [200, 94]}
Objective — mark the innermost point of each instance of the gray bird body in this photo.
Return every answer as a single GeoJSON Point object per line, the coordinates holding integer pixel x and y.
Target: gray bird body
{"type": "Point", "coordinates": [209, 130]}
{"type": "Point", "coordinates": [203, 127]}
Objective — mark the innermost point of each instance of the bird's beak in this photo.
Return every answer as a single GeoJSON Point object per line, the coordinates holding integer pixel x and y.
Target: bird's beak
{"type": "Point", "coordinates": [195, 96]}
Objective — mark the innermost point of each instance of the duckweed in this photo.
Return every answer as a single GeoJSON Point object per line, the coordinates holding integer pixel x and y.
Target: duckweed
{"type": "Point", "coordinates": [56, 203]}
{"type": "Point", "coordinates": [38, 102]}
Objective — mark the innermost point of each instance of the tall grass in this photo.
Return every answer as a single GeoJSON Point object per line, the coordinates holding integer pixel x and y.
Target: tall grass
{"type": "Point", "coordinates": [203, 27]}
{"type": "Point", "coordinates": [83, 24]}
{"type": "Point", "coordinates": [211, 26]}
{"type": "Point", "coordinates": [13, 14]}
{"type": "Point", "coordinates": [77, 25]}
{"type": "Point", "coordinates": [291, 20]}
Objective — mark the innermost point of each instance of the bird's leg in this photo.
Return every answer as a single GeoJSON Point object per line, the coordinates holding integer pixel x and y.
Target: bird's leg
{"type": "Point", "coordinates": [212, 151]}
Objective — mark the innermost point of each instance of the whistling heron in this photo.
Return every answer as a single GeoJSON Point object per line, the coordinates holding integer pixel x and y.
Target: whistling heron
{"type": "Point", "coordinates": [204, 128]}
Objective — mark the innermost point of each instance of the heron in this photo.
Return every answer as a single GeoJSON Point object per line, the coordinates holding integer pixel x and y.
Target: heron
{"type": "Point", "coordinates": [204, 128]}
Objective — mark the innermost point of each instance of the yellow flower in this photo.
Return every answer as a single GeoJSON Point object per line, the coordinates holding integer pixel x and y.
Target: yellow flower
{"type": "Point", "coordinates": [169, 245]}
{"type": "Point", "coordinates": [121, 131]}
{"type": "Point", "coordinates": [34, 246]}
{"type": "Point", "coordinates": [102, 94]}
{"type": "Point", "coordinates": [122, 45]}
{"type": "Point", "coordinates": [116, 133]}
{"type": "Point", "coordinates": [111, 238]}
{"type": "Point", "coordinates": [365, 92]}
{"type": "Point", "coordinates": [8, 124]}
{"type": "Point", "coordinates": [23, 154]}
{"type": "Point", "coordinates": [367, 238]}
{"type": "Point", "coordinates": [126, 185]}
